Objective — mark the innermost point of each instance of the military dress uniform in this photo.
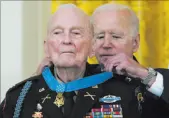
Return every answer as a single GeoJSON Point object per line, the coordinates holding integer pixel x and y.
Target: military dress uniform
{"type": "Point", "coordinates": [118, 97]}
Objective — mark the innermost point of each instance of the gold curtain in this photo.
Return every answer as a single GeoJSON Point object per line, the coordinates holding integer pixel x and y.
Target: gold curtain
{"type": "Point", "coordinates": [154, 20]}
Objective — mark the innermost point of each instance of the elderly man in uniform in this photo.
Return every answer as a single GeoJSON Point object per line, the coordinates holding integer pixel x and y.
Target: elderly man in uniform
{"type": "Point", "coordinates": [68, 44]}
{"type": "Point", "coordinates": [115, 40]}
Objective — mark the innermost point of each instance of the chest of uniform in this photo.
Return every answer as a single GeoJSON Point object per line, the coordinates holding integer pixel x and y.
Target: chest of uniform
{"type": "Point", "coordinates": [118, 100]}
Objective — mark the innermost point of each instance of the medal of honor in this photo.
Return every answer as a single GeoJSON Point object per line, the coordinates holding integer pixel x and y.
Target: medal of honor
{"type": "Point", "coordinates": [59, 101]}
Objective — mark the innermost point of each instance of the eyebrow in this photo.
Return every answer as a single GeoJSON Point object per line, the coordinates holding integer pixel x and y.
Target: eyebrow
{"type": "Point", "coordinates": [57, 27]}
{"type": "Point", "coordinates": [100, 32]}
{"type": "Point", "coordinates": [54, 28]}
{"type": "Point", "coordinates": [110, 32]}
{"type": "Point", "coordinates": [118, 33]}
{"type": "Point", "coordinates": [78, 28]}
{"type": "Point", "coordinates": [72, 28]}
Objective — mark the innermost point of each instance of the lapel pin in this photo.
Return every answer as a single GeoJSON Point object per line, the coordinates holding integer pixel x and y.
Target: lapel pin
{"type": "Point", "coordinates": [110, 99]}
{"type": "Point", "coordinates": [41, 90]}
{"type": "Point", "coordinates": [128, 79]}
{"type": "Point", "coordinates": [89, 95]}
{"type": "Point", "coordinates": [140, 97]}
{"type": "Point", "coordinates": [45, 98]}
{"type": "Point", "coordinates": [39, 107]}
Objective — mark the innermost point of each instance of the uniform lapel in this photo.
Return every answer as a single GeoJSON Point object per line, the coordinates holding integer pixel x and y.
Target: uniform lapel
{"type": "Point", "coordinates": [50, 110]}
{"type": "Point", "coordinates": [39, 91]}
{"type": "Point", "coordinates": [85, 100]}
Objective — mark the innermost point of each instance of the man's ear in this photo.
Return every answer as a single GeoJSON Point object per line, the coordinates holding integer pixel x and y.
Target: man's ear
{"type": "Point", "coordinates": [46, 48]}
{"type": "Point", "coordinates": [136, 43]}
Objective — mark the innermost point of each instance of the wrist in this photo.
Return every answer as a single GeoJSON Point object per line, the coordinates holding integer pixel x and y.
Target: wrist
{"type": "Point", "coordinates": [142, 73]}
{"type": "Point", "coordinates": [150, 78]}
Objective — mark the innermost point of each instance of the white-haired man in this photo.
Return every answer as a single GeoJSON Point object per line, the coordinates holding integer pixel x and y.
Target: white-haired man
{"type": "Point", "coordinates": [67, 45]}
{"type": "Point", "coordinates": [116, 36]}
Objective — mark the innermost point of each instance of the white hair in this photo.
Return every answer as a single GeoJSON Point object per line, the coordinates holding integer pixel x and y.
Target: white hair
{"type": "Point", "coordinates": [67, 6]}
{"type": "Point", "coordinates": [117, 7]}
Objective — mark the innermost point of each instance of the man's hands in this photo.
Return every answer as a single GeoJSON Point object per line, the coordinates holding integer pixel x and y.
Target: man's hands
{"type": "Point", "coordinates": [125, 65]}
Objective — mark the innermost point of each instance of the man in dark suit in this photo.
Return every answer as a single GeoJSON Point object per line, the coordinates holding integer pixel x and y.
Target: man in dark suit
{"type": "Point", "coordinates": [122, 96]}
{"type": "Point", "coordinates": [116, 39]}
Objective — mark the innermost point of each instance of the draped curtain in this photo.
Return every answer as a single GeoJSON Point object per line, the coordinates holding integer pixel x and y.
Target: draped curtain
{"type": "Point", "coordinates": [154, 21]}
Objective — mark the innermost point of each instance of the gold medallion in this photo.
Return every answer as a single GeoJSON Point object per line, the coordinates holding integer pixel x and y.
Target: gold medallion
{"type": "Point", "coordinates": [59, 101]}
{"type": "Point", "coordinates": [37, 115]}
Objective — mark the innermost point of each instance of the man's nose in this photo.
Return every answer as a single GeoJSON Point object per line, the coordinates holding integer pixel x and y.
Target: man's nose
{"type": "Point", "coordinates": [107, 44]}
{"type": "Point", "coordinates": [67, 39]}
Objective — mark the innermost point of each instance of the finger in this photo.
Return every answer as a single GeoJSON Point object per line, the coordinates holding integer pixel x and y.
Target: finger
{"type": "Point", "coordinates": [120, 69]}
{"type": "Point", "coordinates": [110, 66]}
{"type": "Point", "coordinates": [112, 63]}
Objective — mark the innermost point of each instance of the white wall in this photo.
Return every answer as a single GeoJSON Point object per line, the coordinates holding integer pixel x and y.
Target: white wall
{"type": "Point", "coordinates": [23, 28]}
{"type": "Point", "coordinates": [11, 42]}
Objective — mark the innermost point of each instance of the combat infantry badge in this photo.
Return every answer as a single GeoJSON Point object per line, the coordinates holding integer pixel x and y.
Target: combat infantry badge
{"type": "Point", "coordinates": [110, 99]}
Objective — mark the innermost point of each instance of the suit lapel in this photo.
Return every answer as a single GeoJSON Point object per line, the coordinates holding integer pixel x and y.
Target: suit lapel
{"type": "Point", "coordinates": [85, 100]}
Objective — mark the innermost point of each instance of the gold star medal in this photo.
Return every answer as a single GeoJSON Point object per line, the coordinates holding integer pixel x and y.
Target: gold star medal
{"type": "Point", "coordinates": [59, 101]}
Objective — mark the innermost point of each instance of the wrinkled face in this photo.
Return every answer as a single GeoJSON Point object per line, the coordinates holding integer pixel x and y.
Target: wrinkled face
{"type": "Point", "coordinates": [112, 35]}
{"type": "Point", "coordinates": [69, 40]}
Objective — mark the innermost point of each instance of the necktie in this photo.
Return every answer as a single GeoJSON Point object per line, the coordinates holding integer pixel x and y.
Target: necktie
{"type": "Point", "coordinates": [68, 103]}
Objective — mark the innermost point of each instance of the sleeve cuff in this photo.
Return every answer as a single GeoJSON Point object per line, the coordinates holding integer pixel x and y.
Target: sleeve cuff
{"type": "Point", "coordinates": [157, 87]}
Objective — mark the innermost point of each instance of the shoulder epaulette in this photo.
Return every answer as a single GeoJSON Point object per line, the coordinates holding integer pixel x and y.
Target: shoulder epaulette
{"type": "Point", "coordinates": [23, 82]}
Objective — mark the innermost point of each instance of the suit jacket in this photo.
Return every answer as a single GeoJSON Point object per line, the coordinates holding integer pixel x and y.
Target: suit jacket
{"type": "Point", "coordinates": [158, 107]}
{"type": "Point", "coordinates": [118, 86]}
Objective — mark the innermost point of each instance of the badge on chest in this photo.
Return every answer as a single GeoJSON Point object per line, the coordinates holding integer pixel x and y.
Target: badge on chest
{"type": "Point", "coordinates": [109, 108]}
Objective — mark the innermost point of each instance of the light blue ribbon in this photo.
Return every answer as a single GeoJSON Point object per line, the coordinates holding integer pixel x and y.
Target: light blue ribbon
{"type": "Point", "coordinates": [74, 85]}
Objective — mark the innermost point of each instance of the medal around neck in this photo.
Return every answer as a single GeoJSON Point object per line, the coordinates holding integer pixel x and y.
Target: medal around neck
{"type": "Point", "coordinates": [59, 101]}
{"type": "Point", "coordinates": [74, 85]}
